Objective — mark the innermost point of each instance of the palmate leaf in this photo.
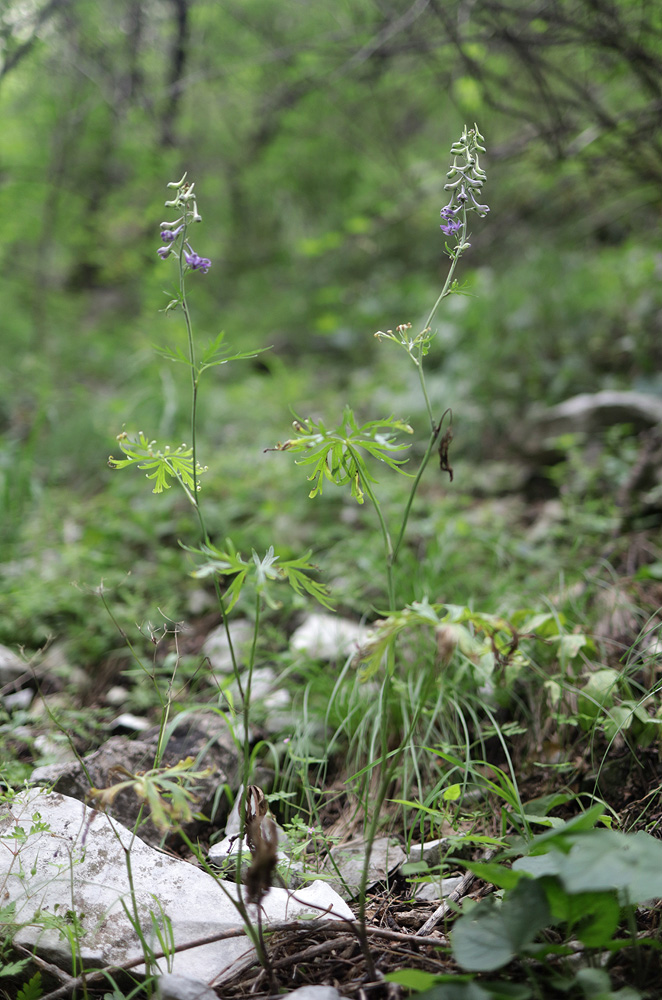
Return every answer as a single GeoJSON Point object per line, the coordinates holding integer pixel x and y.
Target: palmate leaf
{"type": "Point", "coordinates": [267, 571]}
{"type": "Point", "coordinates": [214, 354]}
{"type": "Point", "coordinates": [163, 789]}
{"type": "Point", "coordinates": [337, 455]}
{"type": "Point", "coordinates": [165, 464]}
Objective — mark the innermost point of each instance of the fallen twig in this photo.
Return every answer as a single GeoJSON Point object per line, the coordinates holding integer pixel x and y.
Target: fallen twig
{"type": "Point", "coordinates": [453, 897]}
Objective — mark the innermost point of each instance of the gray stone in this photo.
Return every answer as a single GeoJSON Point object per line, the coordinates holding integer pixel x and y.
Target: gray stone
{"type": "Point", "coordinates": [204, 737]}
{"type": "Point", "coordinates": [171, 987]}
{"type": "Point", "coordinates": [327, 637]}
{"type": "Point", "coordinates": [438, 889]}
{"type": "Point", "coordinates": [589, 413]}
{"type": "Point", "coordinates": [432, 851]}
{"type": "Point", "coordinates": [59, 856]}
{"type": "Point", "coordinates": [386, 857]}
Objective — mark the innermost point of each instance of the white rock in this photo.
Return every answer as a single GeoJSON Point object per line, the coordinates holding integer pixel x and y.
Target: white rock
{"type": "Point", "coordinates": [78, 863]}
{"type": "Point", "coordinates": [327, 637]}
{"type": "Point", "coordinates": [11, 665]}
{"type": "Point", "coordinates": [116, 696]}
{"type": "Point", "coordinates": [134, 723]}
{"type": "Point", "coordinates": [265, 687]}
{"type": "Point", "coordinates": [217, 648]}
{"type": "Point", "coordinates": [18, 699]}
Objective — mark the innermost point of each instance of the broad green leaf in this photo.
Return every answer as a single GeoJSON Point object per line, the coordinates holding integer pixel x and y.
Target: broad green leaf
{"type": "Point", "coordinates": [413, 979]}
{"type": "Point", "coordinates": [499, 875]}
{"type": "Point", "coordinates": [490, 935]}
{"type": "Point", "coordinates": [592, 916]}
{"type": "Point", "coordinates": [603, 860]}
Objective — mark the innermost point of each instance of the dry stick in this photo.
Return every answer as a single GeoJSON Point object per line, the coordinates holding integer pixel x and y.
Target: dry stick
{"type": "Point", "coordinates": [90, 977]}
{"type": "Point", "coordinates": [453, 897]}
{"type": "Point", "coordinates": [68, 981]}
{"type": "Point", "coordinates": [99, 974]}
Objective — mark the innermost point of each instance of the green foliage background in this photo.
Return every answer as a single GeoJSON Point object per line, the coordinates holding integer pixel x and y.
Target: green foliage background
{"type": "Point", "coordinates": [317, 135]}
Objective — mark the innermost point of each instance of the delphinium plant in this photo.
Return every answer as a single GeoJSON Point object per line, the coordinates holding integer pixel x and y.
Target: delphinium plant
{"type": "Point", "coordinates": [345, 455]}
{"type": "Point", "coordinates": [232, 574]}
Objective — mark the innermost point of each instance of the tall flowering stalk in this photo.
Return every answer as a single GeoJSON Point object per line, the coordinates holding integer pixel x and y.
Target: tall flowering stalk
{"type": "Point", "coordinates": [176, 244]}
{"type": "Point", "coordinates": [339, 455]}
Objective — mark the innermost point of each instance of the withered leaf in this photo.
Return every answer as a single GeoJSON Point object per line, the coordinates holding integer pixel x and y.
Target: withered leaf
{"type": "Point", "coordinates": [444, 445]}
{"type": "Point", "coordinates": [262, 839]}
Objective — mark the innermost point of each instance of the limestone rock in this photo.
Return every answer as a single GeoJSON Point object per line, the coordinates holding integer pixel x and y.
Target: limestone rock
{"type": "Point", "coordinates": [59, 856]}
{"type": "Point", "coordinates": [11, 665]}
{"type": "Point", "coordinates": [437, 889]}
{"type": "Point", "coordinates": [217, 648]}
{"type": "Point", "coordinates": [327, 637]}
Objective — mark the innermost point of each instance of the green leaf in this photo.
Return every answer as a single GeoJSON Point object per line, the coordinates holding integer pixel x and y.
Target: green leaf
{"type": "Point", "coordinates": [413, 979]}
{"type": "Point", "coordinates": [337, 454]}
{"type": "Point", "coordinates": [490, 935]}
{"type": "Point", "coordinates": [490, 871]}
{"type": "Point", "coordinates": [31, 990]}
{"type": "Point", "coordinates": [165, 463]}
{"type": "Point", "coordinates": [14, 968]}
{"type": "Point", "coordinates": [266, 571]}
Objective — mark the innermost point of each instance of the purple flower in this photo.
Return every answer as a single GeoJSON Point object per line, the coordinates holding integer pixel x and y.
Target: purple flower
{"type": "Point", "coordinates": [448, 212]}
{"type": "Point", "coordinates": [164, 252]}
{"type": "Point", "coordinates": [197, 263]}
{"type": "Point", "coordinates": [169, 235]}
{"type": "Point", "coordinates": [451, 227]}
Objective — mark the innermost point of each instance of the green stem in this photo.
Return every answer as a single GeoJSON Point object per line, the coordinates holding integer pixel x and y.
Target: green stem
{"type": "Point", "coordinates": [247, 689]}
{"type": "Point", "coordinates": [388, 544]}
{"type": "Point", "coordinates": [455, 256]}
{"type": "Point", "coordinates": [421, 378]}
{"type": "Point", "coordinates": [195, 375]}
{"type": "Point", "coordinates": [434, 437]}
{"type": "Point", "coordinates": [435, 428]}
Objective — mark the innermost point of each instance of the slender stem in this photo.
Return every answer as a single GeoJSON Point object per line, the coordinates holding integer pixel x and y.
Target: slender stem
{"type": "Point", "coordinates": [388, 544]}
{"type": "Point", "coordinates": [418, 361]}
{"type": "Point", "coordinates": [421, 377]}
{"type": "Point", "coordinates": [434, 436]}
{"type": "Point", "coordinates": [195, 375]}
{"type": "Point", "coordinates": [455, 256]}
{"type": "Point", "coordinates": [247, 689]}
